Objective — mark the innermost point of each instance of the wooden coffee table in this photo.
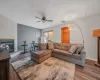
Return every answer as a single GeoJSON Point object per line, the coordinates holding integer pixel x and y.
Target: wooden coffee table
{"type": "Point", "coordinates": [40, 55]}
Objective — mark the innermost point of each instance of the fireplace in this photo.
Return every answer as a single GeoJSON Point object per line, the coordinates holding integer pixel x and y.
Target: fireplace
{"type": "Point", "coordinates": [8, 42]}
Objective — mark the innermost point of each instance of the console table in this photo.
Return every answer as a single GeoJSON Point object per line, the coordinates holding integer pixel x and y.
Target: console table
{"type": "Point", "coordinates": [4, 65]}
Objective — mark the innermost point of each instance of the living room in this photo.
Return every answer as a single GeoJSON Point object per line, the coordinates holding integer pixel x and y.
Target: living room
{"type": "Point", "coordinates": [29, 28]}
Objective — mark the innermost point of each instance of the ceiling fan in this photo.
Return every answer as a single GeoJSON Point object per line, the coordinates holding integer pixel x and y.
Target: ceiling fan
{"type": "Point", "coordinates": [43, 19]}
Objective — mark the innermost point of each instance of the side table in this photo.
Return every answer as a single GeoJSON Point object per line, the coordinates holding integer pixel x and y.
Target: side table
{"type": "Point", "coordinates": [24, 45]}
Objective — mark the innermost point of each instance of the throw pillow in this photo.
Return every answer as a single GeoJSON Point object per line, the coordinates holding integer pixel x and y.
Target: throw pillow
{"type": "Point", "coordinates": [73, 49]}
{"type": "Point", "coordinates": [65, 47]}
{"type": "Point", "coordinates": [79, 49]}
{"type": "Point", "coordinates": [57, 45]}
{"type": "Point", "coordinates": [50, 46]}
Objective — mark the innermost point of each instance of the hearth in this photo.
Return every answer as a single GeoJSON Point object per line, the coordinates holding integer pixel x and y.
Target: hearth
{"type": "Point", "coordinates": [8, 42]}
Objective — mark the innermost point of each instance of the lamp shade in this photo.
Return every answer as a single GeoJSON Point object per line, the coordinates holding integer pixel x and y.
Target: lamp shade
{"type": "Point", "coordinates": [96, 33]}
{"type": "Point", "coordinates": [70, 26]}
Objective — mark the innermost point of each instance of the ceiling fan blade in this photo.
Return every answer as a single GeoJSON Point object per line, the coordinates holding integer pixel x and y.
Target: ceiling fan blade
{"type": "Point", "coordinates": [38, 21]}
{"type": "Point", "coordinates": [37, 17]}
{"type": "Point", "coordinates": [50, 20]}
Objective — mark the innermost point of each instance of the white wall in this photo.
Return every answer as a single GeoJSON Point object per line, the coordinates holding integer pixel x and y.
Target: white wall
{"type": "Point", "coordinates": [87, 25]}
{"type": "Point", "coordinates": [75, 34]}
{"type": "Point", "coordinates": [8, 29]}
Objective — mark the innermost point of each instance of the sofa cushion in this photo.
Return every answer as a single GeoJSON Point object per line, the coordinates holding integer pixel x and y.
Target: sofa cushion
{"type": "Point", "coordinates": [76, 56]}
{"type": "Point", "coordinates": [50, 46]}
{"type": "Point", "coordinates": [75, 44]}
{"type": "Point", "coordinates": [57, 45]}
{"type": "Point", "coordinates": [66, 53]}
{"type": "Point", "coordinates": [62, 52]}
{"type": "Point", "coordinates": [79, 49]}
{"type": "Point", "coordinates": [73, 49]}
{"type": "Point", "coordinates": [65, 47]}
{"type": "Point", "coordinates": [42, 46]}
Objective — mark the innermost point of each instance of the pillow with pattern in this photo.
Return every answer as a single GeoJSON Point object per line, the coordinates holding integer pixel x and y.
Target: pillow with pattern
{"type": "Point", "coordinates": [79, 49]}
{"type": "Point", "coordinates": [73, 49]}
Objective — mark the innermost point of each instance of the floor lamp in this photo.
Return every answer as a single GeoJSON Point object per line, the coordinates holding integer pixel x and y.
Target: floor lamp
{"type": "Point", "coordinates": [70, 27]}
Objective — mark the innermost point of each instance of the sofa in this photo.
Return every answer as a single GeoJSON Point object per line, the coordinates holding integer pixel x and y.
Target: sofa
{"type": "Point", "coordinates": [77, 55]}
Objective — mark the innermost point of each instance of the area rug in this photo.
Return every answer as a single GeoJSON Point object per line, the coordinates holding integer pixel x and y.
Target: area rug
{"type": "Point", "coordinates": [50, 69]}
{"type": "Point", "coordinates": [15, 56]}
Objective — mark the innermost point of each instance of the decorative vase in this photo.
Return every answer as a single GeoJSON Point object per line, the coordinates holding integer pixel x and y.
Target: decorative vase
{"type": "Point", "coordinates": [24, 42]}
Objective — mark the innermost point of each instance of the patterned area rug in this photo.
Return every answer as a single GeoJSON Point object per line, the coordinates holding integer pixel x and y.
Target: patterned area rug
{"type": "Point", "coordinates": [50, 69]}
{"type": "Point", "coordinates": [17, 56]}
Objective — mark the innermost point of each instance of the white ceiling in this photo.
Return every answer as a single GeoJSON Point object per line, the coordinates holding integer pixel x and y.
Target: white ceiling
{"type": "Point", "coordinates": [24, 11]}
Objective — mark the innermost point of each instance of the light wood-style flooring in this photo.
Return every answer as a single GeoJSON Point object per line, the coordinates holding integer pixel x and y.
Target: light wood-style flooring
{"type": "Point", "coordinates": [89, 72]}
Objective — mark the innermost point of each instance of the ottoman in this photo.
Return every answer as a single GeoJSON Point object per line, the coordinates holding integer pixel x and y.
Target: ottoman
{"type": "Point", "coordinates": [40, 55]}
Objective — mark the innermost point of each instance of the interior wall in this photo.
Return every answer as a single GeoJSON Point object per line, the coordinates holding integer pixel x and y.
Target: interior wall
{"type": "Point", "coordinates": [87, 25]}
{"type": "Point", "coordinates": [8, 29]}
{"type": "Point", "coordinates": [27, 33]}
{"type": "Point", "coordinates": [75, 34]}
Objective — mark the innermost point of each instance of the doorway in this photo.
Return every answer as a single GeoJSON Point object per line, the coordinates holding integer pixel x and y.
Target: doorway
{"type": "Point", "coordinates": [65, 35]}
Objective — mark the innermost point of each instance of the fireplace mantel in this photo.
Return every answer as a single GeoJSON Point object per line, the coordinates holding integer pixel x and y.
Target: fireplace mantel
{"type": "Point", "coordinates": [7, 39]}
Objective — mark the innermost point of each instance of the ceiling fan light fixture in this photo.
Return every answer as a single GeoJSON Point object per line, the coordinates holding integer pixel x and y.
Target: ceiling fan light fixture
{"type": "Point", "coordinates": [43, 19]}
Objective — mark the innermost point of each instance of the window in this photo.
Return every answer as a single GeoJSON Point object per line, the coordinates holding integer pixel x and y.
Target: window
{"type": "Point", "coordinates": [49, 35]}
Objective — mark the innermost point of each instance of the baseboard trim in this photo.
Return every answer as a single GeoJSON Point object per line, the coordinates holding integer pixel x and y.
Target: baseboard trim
{"type": "Point", "coordinates": [91, 59]}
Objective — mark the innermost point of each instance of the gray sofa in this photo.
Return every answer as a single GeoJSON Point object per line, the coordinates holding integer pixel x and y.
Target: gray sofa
{"type": "Point", "coordinates": [78, 59]}
{"type": "Point", "coordinates": [61, 51]}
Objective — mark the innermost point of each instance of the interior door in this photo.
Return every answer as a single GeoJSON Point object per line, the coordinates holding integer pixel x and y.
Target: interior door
{"type": "Point", "coordinates": [65, 35]}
